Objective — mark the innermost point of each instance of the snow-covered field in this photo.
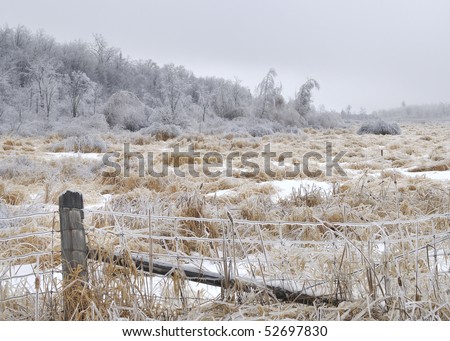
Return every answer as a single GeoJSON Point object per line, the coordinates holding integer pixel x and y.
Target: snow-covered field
{"type": "Point", "coordinates": [316, 244]}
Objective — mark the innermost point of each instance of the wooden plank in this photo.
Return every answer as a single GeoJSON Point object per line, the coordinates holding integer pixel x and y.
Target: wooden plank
{"type": "Point", "coordinates": [214, 279]}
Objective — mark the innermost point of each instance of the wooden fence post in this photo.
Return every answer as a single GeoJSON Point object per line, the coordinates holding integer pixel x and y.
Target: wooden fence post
{"type": "Point", "coordinates": [73, 252]}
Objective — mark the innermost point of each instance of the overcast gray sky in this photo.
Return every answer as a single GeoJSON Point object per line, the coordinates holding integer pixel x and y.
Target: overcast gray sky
{"type": "Point", "coordinates": [366, 53]}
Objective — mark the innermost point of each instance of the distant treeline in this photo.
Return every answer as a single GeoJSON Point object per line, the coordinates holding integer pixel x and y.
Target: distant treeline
{"type": "Point", "coordinates": [46, 86]}
{"type": "Point", "coordinates": [439, 111]}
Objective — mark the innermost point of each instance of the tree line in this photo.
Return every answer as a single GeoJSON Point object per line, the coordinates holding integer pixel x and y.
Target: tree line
{"type": "Point", "coordinates": [41, 79]}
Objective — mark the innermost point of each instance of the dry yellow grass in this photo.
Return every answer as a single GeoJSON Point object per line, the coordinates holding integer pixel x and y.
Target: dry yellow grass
{"type": "Point", "coordinates": [372, 192]}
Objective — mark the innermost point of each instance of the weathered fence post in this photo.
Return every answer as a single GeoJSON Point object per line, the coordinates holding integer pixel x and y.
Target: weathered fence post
{"type": "Point", "coordinates": [73, 252]}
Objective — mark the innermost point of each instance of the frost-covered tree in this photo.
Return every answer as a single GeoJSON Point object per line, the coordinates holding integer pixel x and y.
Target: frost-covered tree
{"type": "Point", "coordinates": [223, 103]}
{"type": "Point", "coordinates": [47, 81]}
{"type": "Point", "coordinates": [174, 88]}
{"type": "Point", "coordinates": [303, 98]}
{"type": "Point", "coordinates": [97, 91]}
{"type": "Point", "coordinates": [77, 85]}
{"type": "Point", "coordinates": [205, 98]}
{"type": "Point", "coordinates": [104, 55]}
{"type": "Point", "coordinates": [77, 56]}
{"type": "Point", "coordinates": [268, 93]}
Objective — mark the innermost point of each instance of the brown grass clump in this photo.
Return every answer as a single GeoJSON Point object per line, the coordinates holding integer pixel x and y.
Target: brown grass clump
{"type": "Point", "coordinates": [7, 147]}
{"type": "Point", "coordinates": [335, 214]}
{"type": "Point", "coordinates": [220, 184]}
{"type": "Point", "coordinates": [257, 208]}
{"type": "Point", "coordinates": [180, 160]}
{"type": "Point", "coordinates": [393, 175]}
{"type": "Point", "coordinates": [11, 143]}
{"type": "Point", "coordinates": [11, 196]}
{"type": "Point", "coordinates": [142, 140]}
{"type": "Point", "coordinates": [122, 184]}
{"type": "Point", "coordinates": [244, 144]}
{"type": "Point", "coordinates": [164, 135]}
{"type": "Point", "coordinates": [155, 184]}
{"type": "Point", "coordinates": [440, 167]}
{"type": "Point", "coordinates": [194, 206]}
{"type": "Point", "coordinates": [300, 197]}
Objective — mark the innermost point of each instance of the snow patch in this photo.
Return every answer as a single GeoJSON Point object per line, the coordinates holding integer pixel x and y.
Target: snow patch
{"type": "Point", "coordinates": [433, 175]}
{"type": "Point", "coordinates": [23, 277]}
{"type": "Point", "coordinates": [103, 201]}
{"type": "Point", "coordinates": [285, 187]}
{"type": "Point", "coordinates": [222, 192]}
{"type": "Point", "coordinates": [89, 156]}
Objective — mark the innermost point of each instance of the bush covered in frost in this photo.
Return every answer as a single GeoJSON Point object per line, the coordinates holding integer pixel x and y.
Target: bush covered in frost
{"type": "Point", "coordinates": [21, 166]}
{"type": "Point", "coordinates": [262, 127]}
{"type": "Point", "coordinates": [162, 131]}
{"type": "Point", "coordinates": [83, 144]}
{"type": "Point", "coordinates": [259, 130]}
{"type": "Point", "coordinates": [324, 120]}
{"type": "Point", "coordinates": [125, 110]}
{"type": "Point", "coordinates": [379, 127]}
{"type": "Point", "coordinates": [80, 126]}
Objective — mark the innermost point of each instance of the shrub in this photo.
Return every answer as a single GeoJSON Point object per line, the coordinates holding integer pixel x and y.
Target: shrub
{"type": "Point", "coordinates": [83, 144]}
{"type": "Point", "coordinates": [259, 130]}
{"type": "Point", "coordinates": [233, 113]}
{"type": "Point", "coordinates": [379, 127]}
{"type": "Point", "coordinates": [325, 120]}
{"type": "Point", "coordinates": [32, 128]}
{"type": "Point", "coordinates": [162, 131]}
{"type": "Point", "coordinates": [80, 126]}
{"type": "Point", "coordinates": [125, 110]}
{"type": "Point", "coordinates": [22, 167]}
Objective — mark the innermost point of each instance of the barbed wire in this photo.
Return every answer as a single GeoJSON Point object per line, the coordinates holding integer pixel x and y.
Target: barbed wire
{"type": "Point", "coordinates": [273, 222]}
{"type": "Point", "coordinates": [313, 249]}
{"type": "Point", "coordinates": [376, 223]}
{"type": "Point", "coordinates": [27, 216]}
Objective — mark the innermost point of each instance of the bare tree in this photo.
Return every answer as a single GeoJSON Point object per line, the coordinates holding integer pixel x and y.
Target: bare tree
{"type": "Point", "coordinates": [77, 84]}
{"type": "Point", "coordinates": [175, 84]}
{"type": "Point", "coordinates": [47, 80]}
{"type": "Point", "coordinates": [97, 91]}
{"type": "Point", "coordinates": [101, 50]}
{"type": "Point", "coordinates": [104, 55]}
{"type": "Point", "coordinates": [205, 97]}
